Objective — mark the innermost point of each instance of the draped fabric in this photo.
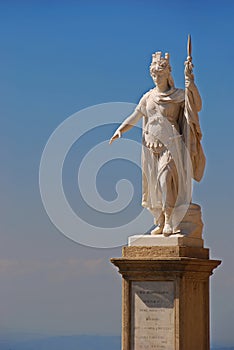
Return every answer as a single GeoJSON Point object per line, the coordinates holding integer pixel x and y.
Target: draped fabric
{"type": "Point", "coordinates": [172, 153]}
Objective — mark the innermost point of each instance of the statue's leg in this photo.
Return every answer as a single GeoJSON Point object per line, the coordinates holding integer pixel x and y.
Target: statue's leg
{"type": "Point", "coordinates": [160, 224]}
{"type": "Point", "coordinates": [168, 228]}
{"type": "Point", "coordinates": [168, 183]}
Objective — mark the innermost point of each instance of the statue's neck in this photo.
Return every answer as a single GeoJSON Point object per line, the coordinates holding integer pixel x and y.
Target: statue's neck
{"type": "Point", "coordinates": [163, 88]}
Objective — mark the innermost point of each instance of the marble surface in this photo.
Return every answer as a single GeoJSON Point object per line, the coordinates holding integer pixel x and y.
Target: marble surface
{"type": "Point", "coordinates": [153, 315]}
{"type": "Point", "coordinates": [161, 240]}
{"type": "Point", "coordinates": [172, 153]}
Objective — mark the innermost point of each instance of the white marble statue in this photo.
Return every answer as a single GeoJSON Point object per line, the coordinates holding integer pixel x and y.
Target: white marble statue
{"type": "Point", "coordinates": [172, 153]}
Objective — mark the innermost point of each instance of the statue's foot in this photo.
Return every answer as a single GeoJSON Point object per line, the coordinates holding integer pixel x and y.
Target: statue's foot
{"type": "Point", "coordinates": [176, 230]}
{"type": "Point", "coordinates": [158, 230]}
{"type": "Point", "coordinates": [167, 230]}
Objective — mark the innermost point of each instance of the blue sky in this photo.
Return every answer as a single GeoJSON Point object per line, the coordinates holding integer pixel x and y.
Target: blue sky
{"type": "Point", "coordinates": [57, 58]}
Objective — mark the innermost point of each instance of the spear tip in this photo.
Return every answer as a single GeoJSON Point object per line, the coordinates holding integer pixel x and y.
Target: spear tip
{"type": "Point", "coordinates": [189, 47]}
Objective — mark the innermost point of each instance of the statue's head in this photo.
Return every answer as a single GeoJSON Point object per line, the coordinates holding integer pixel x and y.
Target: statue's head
{"type": "Point", "coordinates": [160, 68]}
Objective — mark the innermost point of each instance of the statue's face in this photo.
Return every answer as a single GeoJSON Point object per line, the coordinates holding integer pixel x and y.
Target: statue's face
{"type": "Point", "coordinates": [160, 76]}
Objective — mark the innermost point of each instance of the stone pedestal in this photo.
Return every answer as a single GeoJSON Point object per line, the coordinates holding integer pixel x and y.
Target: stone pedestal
{"type": "Point", "coordinates": [165, 296]}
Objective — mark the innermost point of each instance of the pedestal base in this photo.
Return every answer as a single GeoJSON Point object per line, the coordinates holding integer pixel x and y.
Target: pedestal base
{"type": "Point", "coordinates": [165, 300]}
{"type": "Point", "coordinates": [160, 240]}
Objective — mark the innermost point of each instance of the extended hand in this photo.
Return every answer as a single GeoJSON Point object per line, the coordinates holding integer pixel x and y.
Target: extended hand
{"type": "Point", "coordinates": [116, 135]}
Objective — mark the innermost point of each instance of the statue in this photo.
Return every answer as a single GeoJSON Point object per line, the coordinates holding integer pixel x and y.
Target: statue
{"type": "Point", "coordinates": [172, 153]}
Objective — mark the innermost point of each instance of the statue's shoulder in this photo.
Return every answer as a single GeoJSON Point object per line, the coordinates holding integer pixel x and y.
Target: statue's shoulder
{"type": "Point", "coordinates": [178, 95]}
{"type": "Point", "coordinates": [180, 91]}
{"type": "Point", "coordinates": [150, 92]}
{"type": "Point", "coordinates": [146, 95]}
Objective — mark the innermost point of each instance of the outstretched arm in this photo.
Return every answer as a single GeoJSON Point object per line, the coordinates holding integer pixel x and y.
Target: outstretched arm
{"type": "Point", "coordinates": [128, 123]}
{"type": "Point", "coordinates": [190, 85]}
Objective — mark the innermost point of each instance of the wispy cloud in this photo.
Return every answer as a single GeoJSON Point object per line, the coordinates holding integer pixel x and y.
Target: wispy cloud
{"type": "Point", "coordinates": [11, 267]}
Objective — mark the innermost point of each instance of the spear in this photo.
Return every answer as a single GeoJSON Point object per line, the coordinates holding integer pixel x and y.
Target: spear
{"type": "Point", "coordinates": [188, 64]}
{"type": "Point", "coordinates": [189, 48]}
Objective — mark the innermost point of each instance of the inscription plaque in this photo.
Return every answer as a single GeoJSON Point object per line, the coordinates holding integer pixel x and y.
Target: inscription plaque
{"type": "Point", "coordinates": [152, 316]}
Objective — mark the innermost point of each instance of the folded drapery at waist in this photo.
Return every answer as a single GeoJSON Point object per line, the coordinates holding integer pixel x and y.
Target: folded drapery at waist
{"type": "Point", "coordinates": [155, 146]}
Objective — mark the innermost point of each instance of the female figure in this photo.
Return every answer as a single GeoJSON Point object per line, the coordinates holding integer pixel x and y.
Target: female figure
{"type": "Point", "coordinates": [172, 152]}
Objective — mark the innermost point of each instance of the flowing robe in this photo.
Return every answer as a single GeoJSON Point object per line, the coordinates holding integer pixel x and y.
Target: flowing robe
{"type": "Point", "coordinates": [172, 153]}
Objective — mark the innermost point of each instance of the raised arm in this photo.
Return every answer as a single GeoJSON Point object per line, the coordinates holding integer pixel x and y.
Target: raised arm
{"type": "Point", "coordinates": [127, 124]}
{"type": "Point", "coordinates": [190, 85]}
